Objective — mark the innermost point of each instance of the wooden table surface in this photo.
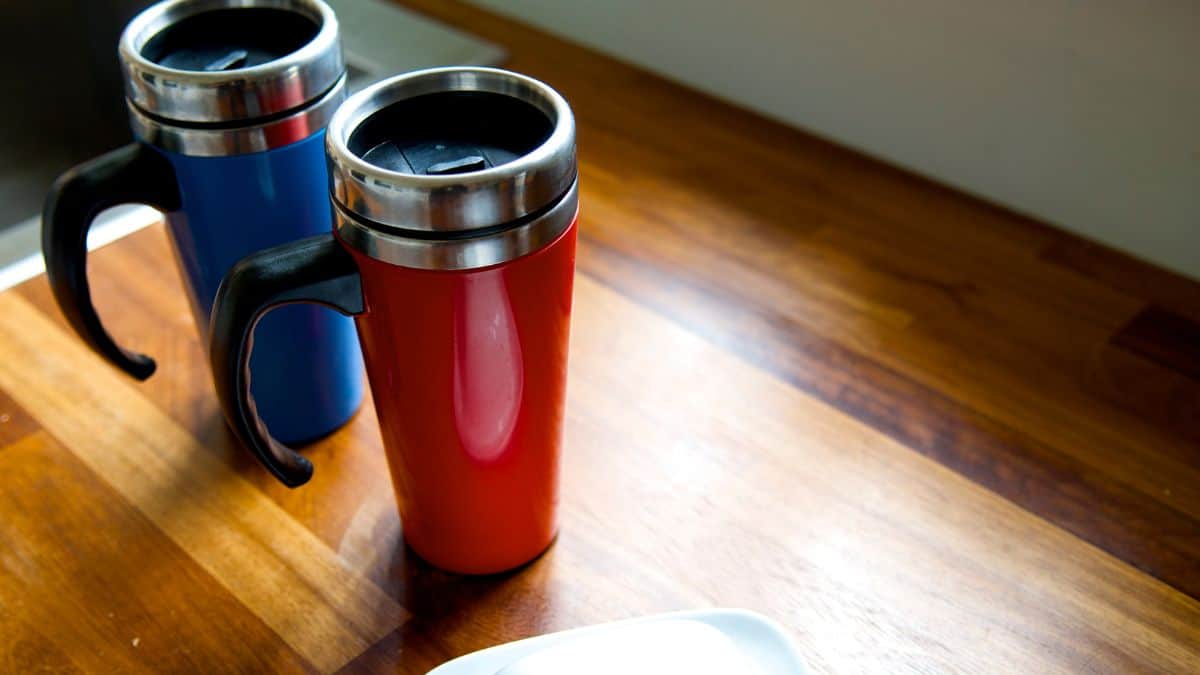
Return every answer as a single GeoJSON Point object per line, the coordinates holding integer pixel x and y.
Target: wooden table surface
{"type": "Point", "coordinates": [923, 433]}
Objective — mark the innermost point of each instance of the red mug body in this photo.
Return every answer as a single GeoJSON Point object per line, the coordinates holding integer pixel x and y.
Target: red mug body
{"type": "Point", "coordinates": [468, 373]}
{"type": "Point", "coordinates": [455, 196]}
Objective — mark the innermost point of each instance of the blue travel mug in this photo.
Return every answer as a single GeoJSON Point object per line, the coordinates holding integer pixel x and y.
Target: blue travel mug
{"type": "Point", "coordinates": [228, 100]}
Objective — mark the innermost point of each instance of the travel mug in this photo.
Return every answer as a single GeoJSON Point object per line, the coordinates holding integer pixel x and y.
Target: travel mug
{"type": "Point", "coordinates": [228, 100]}
{"type": "Point", "coordinates": [454, 200]}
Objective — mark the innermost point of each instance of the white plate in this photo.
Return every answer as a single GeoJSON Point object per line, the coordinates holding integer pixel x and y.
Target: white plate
{"type": "Point", "coordinates": [724, 641]}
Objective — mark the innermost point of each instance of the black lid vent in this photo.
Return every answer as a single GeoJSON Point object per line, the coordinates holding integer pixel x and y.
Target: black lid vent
{"type": "Point", "coordinates": [450, 133]}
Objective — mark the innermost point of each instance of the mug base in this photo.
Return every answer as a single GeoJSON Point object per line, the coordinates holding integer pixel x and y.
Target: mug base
{"type": "Point", "coordinates": [311, 436]}
{"type": "Point", "coordinates": [478, 569]}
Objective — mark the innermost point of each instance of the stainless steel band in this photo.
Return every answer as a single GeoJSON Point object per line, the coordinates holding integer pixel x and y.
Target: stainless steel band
{"type": "Point", "coordinates": [459, 253]}
{"type": "Point", "coordinates": [271, 88]}
{"type": "Point", "coordinates": [467, 201]}
{"type": "Point", "coordinates": [210, 141]}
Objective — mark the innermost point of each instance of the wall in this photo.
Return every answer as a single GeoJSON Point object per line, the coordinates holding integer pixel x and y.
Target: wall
{"type": "Point", "coordinates": [1084, 113]}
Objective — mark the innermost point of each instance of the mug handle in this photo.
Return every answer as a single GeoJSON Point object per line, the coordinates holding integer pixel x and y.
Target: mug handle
{"type": "Point", "coordinates": [316, 270]}
{"type": "Point", "coordinates": [133, 174]}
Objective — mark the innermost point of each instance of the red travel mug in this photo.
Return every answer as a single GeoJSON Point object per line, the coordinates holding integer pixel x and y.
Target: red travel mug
{"type": "Point", "coordinates": [455, 201]}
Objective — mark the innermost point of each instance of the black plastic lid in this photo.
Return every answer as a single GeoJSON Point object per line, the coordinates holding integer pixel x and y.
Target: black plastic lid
{"type": "Point", "coordinates": [450, 132]}
{"type": "Point", "coordinates": [227, 39]}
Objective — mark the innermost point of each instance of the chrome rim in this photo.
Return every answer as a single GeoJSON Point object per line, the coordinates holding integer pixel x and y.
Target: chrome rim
{"type": "Point", "coordinates": [458, 202]}
{"type": "Point", "coordinates": [235, 95]}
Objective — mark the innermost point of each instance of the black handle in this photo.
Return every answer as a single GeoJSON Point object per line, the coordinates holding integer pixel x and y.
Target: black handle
{"type": "Point", "coordinates": [134, 174]}
{"type": "Point", "coordinates": [316, 270]}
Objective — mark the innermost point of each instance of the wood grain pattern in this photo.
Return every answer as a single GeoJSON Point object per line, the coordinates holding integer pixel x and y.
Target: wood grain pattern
{"type": "Point", "coordinates": [15, 423]}
{"type": "Point", "coordinates": [1162, 336]}
{"type": "Point", "coordinates": [830, 498]}
{"type": "Point", "coordinates": [277, 569]}
{"type": "Point", "coordinates": [24, 647]}
{"type": "Point", "coordinates": [1126, 274]}
{"type": "Point", "coordinates": [135, 601]}
{"type": "Point", "coordinates": [896, 419]}
{"type": "Point", "coordinates": [1009, 461]}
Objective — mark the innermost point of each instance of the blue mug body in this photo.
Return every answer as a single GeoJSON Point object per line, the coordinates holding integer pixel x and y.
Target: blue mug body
{"type": "Point", "coordinates": [306, 369]}
{"type": "Point", "coordinates": [228, 103]}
